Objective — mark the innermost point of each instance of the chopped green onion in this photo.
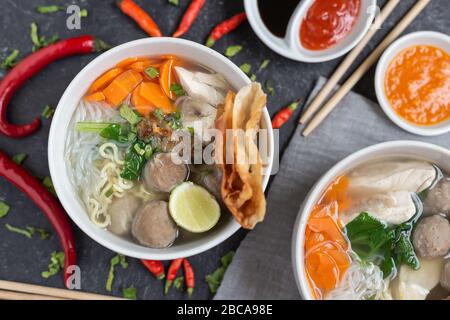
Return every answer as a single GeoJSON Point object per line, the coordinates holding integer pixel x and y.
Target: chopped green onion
{"type": "Point", "coordinates": [43, 234]}
{"type": "Point", "coordinates": [19, 158]}
{"type": "Point", "coordinates": [48, 183]}
{"type": "Point", "coordinates": [84, 13]}
{"type": "Point", "coordinates": [264, 65]}
{"type": "Point", "coordinates": [49, 9]}
{"type": "Point", "coordinates": [56, 264]}
{"type": "Point", "coordinates": [270, 89]}
{"type": "Point", "coordinates": [174, 2]}
{"type": "Point", "coordinates": [159, 114]}
{"type": "Point", "coordinates": [10, 61]}
{"type": "Point", "coordinates": [139, 150]}
{"type": "Point", "coordinates": [152, 72]}
{"type": "Point", "coordinates": [4, 209]}
{"type": "Point", "coordinates": [130, 293]}
{"type": "Point", "coordinates": [246, 68]}
{"type": "Point", "coordinates": [115, 261]}
{"type": "Point", "coordinates": [148, 151]}
{"type": "Point", "coordinates": [35, 37]}
{"type": "Point", "coordinates": [177, 89]}
{"type": "Point", "coordinates": [232, 51]}
{"type": "Point", "coordinates": [48, 112]}
{"type": "Point", "coordinates": [131, 136]}
{"type": "Point", "coordinates": [128, 114]}
{"type": "Point", "coordinates": [178, 283]}
{"type": "Point", "coordinates": [215, 279]}
{"type": "Point", "coordinates": [109, 193]}
{"type": "Point", "coordinates": [95, 127]}
{"type": "Point", "coordinates": [253, 77]}
{"type": "Point", "coordinates": [23, 232]}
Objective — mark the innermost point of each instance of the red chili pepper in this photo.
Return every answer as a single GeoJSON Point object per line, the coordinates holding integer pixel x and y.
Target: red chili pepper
{"type": "Point", "coordinates": [155, 267]}
{"type": "Point", "coordinates": [189, 17]}
{"type": "Point", "coordinates": [225, 27]}
{"type": "Point", "coordinates": [189, 277]}
{"type": "Point", "coordinates": [141, 17]}
{"type": "Point", "coordinates": [284, 115]}
{"type": "Point", "coordinates": [172, 273]}
{"type": "Point", "coordinates": [47, 203]}
{"type": "Point", "coordinates": [30, 66]}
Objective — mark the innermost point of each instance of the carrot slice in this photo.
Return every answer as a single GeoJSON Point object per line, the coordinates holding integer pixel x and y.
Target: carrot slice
{"type": "Point", "coordinates": [101, 82]}
{"type": "Point", "coordinates": [140, 66]}
{"type": "Point", "coordinates": [129, 61]}
{"type": "Point", "coordinates": [121, 87]}
{"type": "Point", "coordinates": [153, 93]}
{"type": "Point", "coordinates": [95, 97]}
{"type": "Point", "coordinates": [142, 105]}
{"type": "Point", "coordinates": [167, 77]}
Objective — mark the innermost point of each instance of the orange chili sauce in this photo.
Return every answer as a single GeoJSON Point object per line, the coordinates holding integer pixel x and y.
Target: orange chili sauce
{"type": "Point", "coordinates": [328, 22]}
{"type": "Point", "coordinates": [417, 85]}
{"type": "Point", "coordinates": [326, 257]}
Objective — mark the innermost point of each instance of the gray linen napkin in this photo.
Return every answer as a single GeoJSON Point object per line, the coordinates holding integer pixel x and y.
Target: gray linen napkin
{"type": "Point", "coordinates": [262, 266]}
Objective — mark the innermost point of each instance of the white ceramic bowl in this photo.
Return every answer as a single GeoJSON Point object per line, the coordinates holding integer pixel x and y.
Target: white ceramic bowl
{"type": "Point", "coordinates": [436, 39]}
{"type": "Point", "coordinates": [412, 149]}
{"type": "Point", "coordinates": [58, 132]}
{"type": "Point", "coordinates": [291, 47]}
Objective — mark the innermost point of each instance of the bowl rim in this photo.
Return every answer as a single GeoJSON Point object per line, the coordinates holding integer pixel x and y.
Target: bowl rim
{"type": "Point", "coordinates": [406, 41]}
{"type": "Point", "coordinates": [350, 161]}
{"type": "Point", "coordinates": [290, 46]}
{"type": "Point", "coordinates": [65, 189]}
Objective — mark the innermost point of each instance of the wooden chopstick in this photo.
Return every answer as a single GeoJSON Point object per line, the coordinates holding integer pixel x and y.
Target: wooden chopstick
{"type": "Point", "coordinates": [348, 61]}
{"type": "Point", "coordinates": [12, 295]}
{"type": "Point", "coordinates": [365, 66]}
{"type": "Point", "coordinates": [35, 290]}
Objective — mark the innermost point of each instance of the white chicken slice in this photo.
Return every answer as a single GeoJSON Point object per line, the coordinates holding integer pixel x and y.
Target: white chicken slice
{"type": "Point", "coordinates": [210, 88]}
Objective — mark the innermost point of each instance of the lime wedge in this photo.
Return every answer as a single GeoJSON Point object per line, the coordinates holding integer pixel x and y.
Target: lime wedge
{"type": "Point", "coordinates": [193, 208]}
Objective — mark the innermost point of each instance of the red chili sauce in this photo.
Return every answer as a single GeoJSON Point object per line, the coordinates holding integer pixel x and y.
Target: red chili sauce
{"type": "Point", "coordinates": [327, 22]}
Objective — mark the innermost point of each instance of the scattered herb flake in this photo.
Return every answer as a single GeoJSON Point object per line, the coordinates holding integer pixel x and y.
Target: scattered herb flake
{"type": "Point", "coordinates": [270, 89]}
{"type": "Point", "coordinates": [43, 234]}
{"type": "Point", "coordinates": [232, 51]}
{"type": "Point", "coordinates": [159, 114]}
{"type": "Point", "coordinates": [117, 259]}
{"type": "Point", "coordinates": [177, 89]}
{"type": "Point", "coordinates": [21, 231]}
{"type": "Point", "coordinates": [174, 2]}
{"type": "Point", "coordinates": [130, 293]}
{"type": "Point", "coordinates": [152, 72]}
{"type": "Point", "coordinates": [178, 283]}
{"type": "Point", "coordinates": [246, 68]}
{"type": "Point", "coordinates": [253, 77]}
{"type": "Point", "coordinates": [128, 114]}
{"type": "Point", "coordinates": [215, 279]}
{"type": "Point", "coordinates": [49, 9]}
{"type": "Point", "coordinates": [56, 264]}
{"type": "Point", "coordinates": [48, 183]}
{"type": "Point", "coordinates": [48, 112]}
{"type": "Point", "coordinates": [10, 61]}
{"type": "Point", "coordinates": [264, 64]}
{"type": "Point", "coordinates": [4, 209]}
{"type": "Point", "coordinates": [40, 42]}
{"type": "Point", "coordinates": [84, 13]}
{"type": "Point", "coordinates": [19, 158]}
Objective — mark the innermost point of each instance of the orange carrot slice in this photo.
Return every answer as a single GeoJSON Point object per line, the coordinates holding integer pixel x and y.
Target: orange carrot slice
{"type": "Point", "coordinates": [121, 87]}
{"type": "Point", "coordinates": [153, 93]}
{"type": "Point", "coordinates": [167, 77]}
{"type": "Point", "coordinates": [140, 66]}
{"type": "Point", "coordinates": [104, 79]}
{"type": "Point", "coordinates": [143, 106]}
{"type": "Point", "coordinates": [95, 97]}
{"type": "Point", "coordinates": [129, 61]}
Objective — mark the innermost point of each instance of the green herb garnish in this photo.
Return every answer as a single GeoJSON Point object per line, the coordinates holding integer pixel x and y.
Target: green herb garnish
{"type": "Point", "coordinates": [253, 77]}
{"type": "Point", "coordinates": [134, 161]}
{"type": "Point", "coordinates": [117, 259]}
{"type": "Point", "coordinates": [174, 2]}
{"type": "Point", "coordinates": [177, 89]}
{"type": "Point", "coordinates": [48, 9]}
{"type": "Point", "coordinates": [48, 112]}
{"type": "Point", "coordinates": [264, 65]}
{"type": "Point", "coordinates": [94, 127]}
{"type": "Point", "coordinates": [4, 209]}
{"type": "Point", "coordinates": [174, 120]}
{"type": "Point", "coordinates": [270, 89]}
{"type": "Point", "coordinates": [19, 158]}
{"type": "Point", "coordinates": [48, 183]}
{"type": "Point", "coordinates": [10, 61]}
{"type": "Point", "coordinates": [56, 264]}
{"type": "Point", "coordinates": [29, 231]}
{"type": "Point", "coordinates": [215, 279]}
{"type": "Point", "coordinates": [130, 293]}
{"type": "Point", "coordinates": [178, 283]}
{"type": "Point", "coordinates": [21, 231]}
{"type": "Point", "coordinates": [84, 13]}
{"type": "Point", "coordinates": [40, 42]}
{"type": "Point", "coordinates": [128, 114]}
{"type": "Point", "coordinates": [159, 114]}
{"type": "Point", "coordinates": [246, 68]}
{"type": "Point", "coordinates": [152, 72]}
{"type": "Point", "coordinates": [232, 51]}
{"type": "Point", "coordinates": [43, 234]}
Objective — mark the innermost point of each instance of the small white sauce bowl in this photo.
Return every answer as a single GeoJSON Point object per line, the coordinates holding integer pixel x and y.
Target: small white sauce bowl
{"type": "Point", "coordinates": [430, 38]}
{"type": "Point", "coordinates": [291, 47]}
{"type": "Point", "coordinates": [393, 149]}
{"type": "Point", "coordinates": [60, 126]}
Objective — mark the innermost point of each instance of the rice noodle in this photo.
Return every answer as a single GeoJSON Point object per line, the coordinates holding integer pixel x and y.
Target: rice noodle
{"type": "Point", "coordinates": [361, 282]}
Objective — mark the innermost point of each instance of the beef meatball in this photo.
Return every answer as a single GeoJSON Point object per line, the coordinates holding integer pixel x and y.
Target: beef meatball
{"type": "Point", "coordinates": [445, 276]}
{"type": "Point", "coordinates": [153, 227]}
{"type": "Point", "coordinates": [161, 174]}
{"type": "Point", "coordinates": [431, 237]}
{"type": "Point", "coordinates": [438, 199]}
{"type": "Point", "coordinates": [122, 211]}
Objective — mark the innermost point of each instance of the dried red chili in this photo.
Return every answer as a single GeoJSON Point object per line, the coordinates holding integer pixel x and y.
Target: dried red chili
{"type": "Point", "coordinates": [30, 66]}
{"type": "Point", "coordinates": [284, 115]}
{"type": "Point", "coordinates": [141, 17]}
{"type": "Point", "coordinates": [36, 191]}
{"type": "Point", "coordinates": [189, 17]}
{"type": "Point", "coordinates": [189, 277]}
{"type": "Point", "coordinates": [155, 267]}
{"type": "Point", "coordinates": [225, 27]}
{"type": "Point", "coordinates": [172, 273]}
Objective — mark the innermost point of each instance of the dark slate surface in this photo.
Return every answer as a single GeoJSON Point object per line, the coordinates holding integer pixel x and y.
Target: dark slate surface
{"type": "Point", "coordinates": [23, 259]}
